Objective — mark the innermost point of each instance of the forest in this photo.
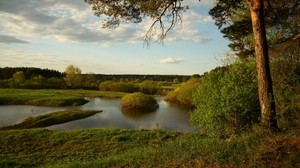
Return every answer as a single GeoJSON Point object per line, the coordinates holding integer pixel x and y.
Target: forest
{"type": "Point", "coordinates": [72, 78]}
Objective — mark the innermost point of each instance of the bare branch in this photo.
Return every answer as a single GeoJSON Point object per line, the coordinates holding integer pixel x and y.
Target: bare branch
{"type": "Point", "coordinates": [176, 17]}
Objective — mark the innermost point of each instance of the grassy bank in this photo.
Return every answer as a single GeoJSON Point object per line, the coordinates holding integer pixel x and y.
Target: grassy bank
{"type": "Point", "coordinates": [49, 119]}
{"type": "Point", "coordinates": [55, 98]}
{"type": "Point", "coordinates": [133, 148]}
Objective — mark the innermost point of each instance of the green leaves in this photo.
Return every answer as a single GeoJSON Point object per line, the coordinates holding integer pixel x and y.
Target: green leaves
{"type": "Point", "coordinates": [227, 101]}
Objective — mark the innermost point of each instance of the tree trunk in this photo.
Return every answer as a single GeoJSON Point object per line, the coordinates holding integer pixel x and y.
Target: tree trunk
{"type": "Point", "coordinates": [265, 91]}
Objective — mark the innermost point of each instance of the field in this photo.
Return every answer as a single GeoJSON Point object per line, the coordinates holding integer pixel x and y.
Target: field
{"type": "Point", "coordinates": [141, 148]}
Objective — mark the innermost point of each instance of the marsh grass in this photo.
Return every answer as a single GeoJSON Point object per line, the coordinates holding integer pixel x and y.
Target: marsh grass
{"type": "Point", "coordinates": [53, 118]}
{"type": "Point", "coordinates": [48, 97]}
{"type": "Point", "coordinates": [146, 148]}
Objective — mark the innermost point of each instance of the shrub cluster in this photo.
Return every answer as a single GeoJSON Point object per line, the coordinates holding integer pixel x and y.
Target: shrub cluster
{"type": "Point", "coordinates": [139, 101]}
{"type": "Point", "coordinates": [183, 94]}
{"type": "Point", "coordinates": [227, 100]}
{"type": "Point", "coordinates": [117, 86]}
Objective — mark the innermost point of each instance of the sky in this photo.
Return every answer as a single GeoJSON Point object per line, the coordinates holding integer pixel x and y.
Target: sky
{"type": "Point", "coordinates": [56, 33]}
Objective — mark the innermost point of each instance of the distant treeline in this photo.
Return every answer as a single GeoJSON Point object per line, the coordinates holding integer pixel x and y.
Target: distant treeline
{"type": "Point", "coordinates": [130, 77]}
{"type": "Point", "coordinates": [29, 72]}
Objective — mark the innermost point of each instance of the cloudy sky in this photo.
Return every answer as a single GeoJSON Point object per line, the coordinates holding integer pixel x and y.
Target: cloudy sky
{"type": "Point", "coordinates": [56, 33]}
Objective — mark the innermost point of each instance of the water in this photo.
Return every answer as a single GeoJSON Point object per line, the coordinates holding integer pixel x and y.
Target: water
{"type": "Point", "coordinates": [167, 117]}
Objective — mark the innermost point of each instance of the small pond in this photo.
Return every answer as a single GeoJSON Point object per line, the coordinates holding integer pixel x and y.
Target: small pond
{"type": "Point", "coordinates": [167, 117]}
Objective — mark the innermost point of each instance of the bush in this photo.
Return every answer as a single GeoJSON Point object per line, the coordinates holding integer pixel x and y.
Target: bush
{"type": "Point", "coordinates": [117, 86]}
{"type": "Point", "coordinates": [139, 101]}
{"type": "Point", "coordinates": [227, 100]}
{"type": "Point", "coordinates": [183, 94]}
{"type": "Point", "coordinates": [148, 87]}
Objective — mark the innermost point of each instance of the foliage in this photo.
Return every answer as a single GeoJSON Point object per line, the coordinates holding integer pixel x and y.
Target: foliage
{"type": "Point", "coordinates": [138, 101]}
{"type": "Point", "coordinates": [18, 79]}
{"type": "Point", "coordinates": [29, 72]}
{"type": "Point", "coordinates": [135, 11]}
{"type": "Point", "coordinates": [117, 86]}
{"type": "Point", "coordinates": [227, 101]}
{"type": "Point", "coordinates": [74, 78]}
{"type": "Point", "coordinates": [53, 118]}
{"type": "Point", "coordinates": [234, 20]}
{"type": "Point", "coordinates": [152, 148]}
{"type": "Point", "coordinates": [285, 67]}
{"type": "Point", "coordinates": [184, 93]}
{"type": "Point", "coordinates": [149, 87]}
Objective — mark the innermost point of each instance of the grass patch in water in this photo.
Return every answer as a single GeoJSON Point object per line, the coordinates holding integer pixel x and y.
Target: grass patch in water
{"type": "Point", "coordinates": [138, 101]}
{"type": "Point", "coordinates": [53, 118]}
{"type": "Point", "coordinates": [49, 97]}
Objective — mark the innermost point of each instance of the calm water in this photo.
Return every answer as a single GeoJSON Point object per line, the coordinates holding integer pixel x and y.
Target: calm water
{"type": "Point", "coordinates": [167, 117]}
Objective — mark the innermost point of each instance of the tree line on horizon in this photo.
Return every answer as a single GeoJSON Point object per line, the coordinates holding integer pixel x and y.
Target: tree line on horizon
{"type": "Point", "coordinates": [72, 78]}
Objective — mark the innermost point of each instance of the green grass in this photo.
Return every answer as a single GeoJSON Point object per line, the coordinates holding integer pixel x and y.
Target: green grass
{"type": "Point", "coordinates": [49, 119]}
{"type": "Point", "coordinates": [55, 98]}
{"type": "Point", "coordinates": [140, 148]}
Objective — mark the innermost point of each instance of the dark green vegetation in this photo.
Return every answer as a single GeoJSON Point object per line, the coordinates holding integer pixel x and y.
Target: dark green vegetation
{"type": "Point", "coordinates": [131, 148]}
{"type": "Point", "coordinates": [146, 86]}
{"type": "Point", "coordinates": [281, 22]}
{"type": "Point", "coordinates": [53, 118]}
{"type": "Point", "coordinates": [139, 101]}
{"type": "Point", "coordinates": [72, 78]}
{"type": "Point", "coordinates": [51, 97]}
{"type": "Point", "coordinates": [227, 99]}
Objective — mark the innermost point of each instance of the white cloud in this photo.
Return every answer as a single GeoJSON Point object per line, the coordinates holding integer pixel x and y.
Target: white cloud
{"type": "Point", "coordinates": [73, 21]}
{"type": "Point", "coordinates": [170, 60]}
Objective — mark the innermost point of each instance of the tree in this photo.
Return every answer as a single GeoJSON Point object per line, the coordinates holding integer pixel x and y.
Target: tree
{"type": "Point", "coordinates": [73, 78]}
{"type": "Point", "coordinates": [18, 79]}
{"type": "Point", "coordinates": [234, 19]}
{"type": "Point", "coordinates": [119, 11]}
{"type": "Point", "coordinates": [265, 90]}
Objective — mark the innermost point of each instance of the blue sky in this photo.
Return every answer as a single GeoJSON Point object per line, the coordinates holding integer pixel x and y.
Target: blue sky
{"type": "Point", "coordinates": [56, 33]}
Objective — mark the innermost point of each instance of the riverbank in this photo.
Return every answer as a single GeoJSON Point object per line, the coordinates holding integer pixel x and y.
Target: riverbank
{"type": "Point", "coordinates": [53, 118]}
{"type": "Point", "coordinates": [49, 97]}
{"type": "Point", "coordinates": [146, 148]}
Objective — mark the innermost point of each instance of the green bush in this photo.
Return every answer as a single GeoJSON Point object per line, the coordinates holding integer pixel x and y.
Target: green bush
{"type": "Point", "coordinates": [138, 101]}
{"type": "Point", "coordinates": [227, 100]}
{"type": "Point", "coordinates": [183, 94]}
{"type": "Point", "coordinates": [117, 86]}
{"type": "Point", "coordinates": [148, 87]}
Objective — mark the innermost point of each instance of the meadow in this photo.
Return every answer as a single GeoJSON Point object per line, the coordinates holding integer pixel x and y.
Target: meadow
{"type": "Point", "coordinates": [146, 148]}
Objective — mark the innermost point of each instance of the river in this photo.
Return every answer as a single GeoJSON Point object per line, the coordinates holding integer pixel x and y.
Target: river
{"type": "Point", "coordinates": [167, 117]}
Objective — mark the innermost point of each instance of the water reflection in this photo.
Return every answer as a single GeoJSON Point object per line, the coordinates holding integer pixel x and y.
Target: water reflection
{"type": "Point", "coordinates": [167, 117]}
